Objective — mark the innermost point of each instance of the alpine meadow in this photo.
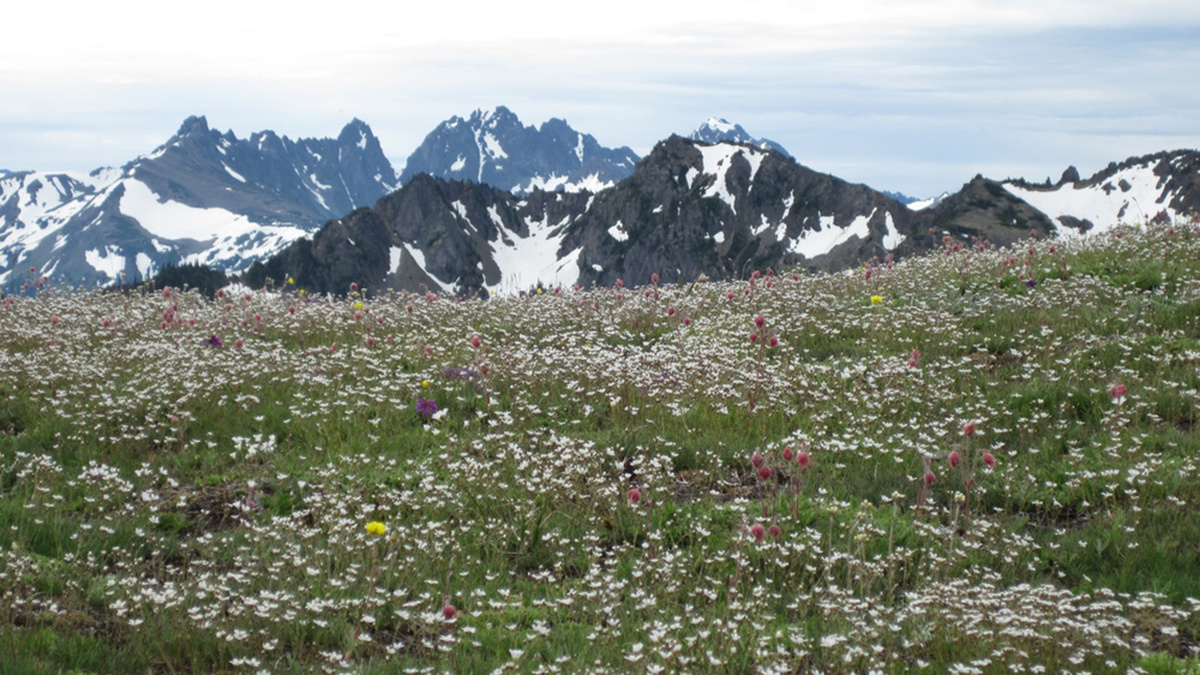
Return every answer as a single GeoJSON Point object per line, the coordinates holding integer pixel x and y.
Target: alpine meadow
{"type": "Point", "coordinates": [981, 459]}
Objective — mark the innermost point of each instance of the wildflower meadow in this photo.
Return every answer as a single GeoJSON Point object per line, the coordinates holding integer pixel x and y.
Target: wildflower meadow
{"type": "Point", "coordinates": [981, 460]}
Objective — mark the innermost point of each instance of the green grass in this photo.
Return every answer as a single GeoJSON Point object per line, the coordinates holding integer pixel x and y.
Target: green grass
{"type": "Point", "coordinates": [167, 506]}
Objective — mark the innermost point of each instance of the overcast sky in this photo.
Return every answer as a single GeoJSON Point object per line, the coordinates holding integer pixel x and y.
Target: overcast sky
{"type": "Point", "coordinates": [914, 96]}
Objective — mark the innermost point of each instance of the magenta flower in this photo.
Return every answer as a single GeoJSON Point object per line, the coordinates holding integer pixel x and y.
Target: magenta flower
{"type": "Point", "coordinates": [426, 407]}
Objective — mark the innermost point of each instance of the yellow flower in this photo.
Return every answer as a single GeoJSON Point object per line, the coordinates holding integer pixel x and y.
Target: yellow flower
{"type": "Point", "coordinates": [291, 280]}
{"type": "Point", "coordinates": [425, 384]}
{"type": "Point", "coordinates": [358, 305]}
{"type": "Point", "coordinates": [376, 528]}
{"type": "Point", "coordinates": [876, 299]}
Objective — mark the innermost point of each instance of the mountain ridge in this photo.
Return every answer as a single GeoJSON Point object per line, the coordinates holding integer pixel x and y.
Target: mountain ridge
{"type": "Point", "coordinates": [496, 148]}
{"type": "Point", "coordinates": [206, 196]}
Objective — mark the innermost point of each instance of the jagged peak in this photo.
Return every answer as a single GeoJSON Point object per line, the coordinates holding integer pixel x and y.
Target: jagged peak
{"type": "Point", "coordinates": [492, 117]}
{"type": "Point", "coordinates": [194, 124]}
{"type": "Point", "coordinates": [356, 132]}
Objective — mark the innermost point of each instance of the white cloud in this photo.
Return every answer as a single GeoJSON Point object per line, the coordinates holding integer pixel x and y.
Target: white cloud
{"type": "Point", "coordinates": [965, 85]}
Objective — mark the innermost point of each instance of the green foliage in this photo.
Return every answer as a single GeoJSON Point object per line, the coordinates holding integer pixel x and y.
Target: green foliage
{"type": "Point", "coordinates": [172, 505]}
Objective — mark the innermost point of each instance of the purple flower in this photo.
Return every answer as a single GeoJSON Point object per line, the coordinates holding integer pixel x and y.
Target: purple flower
{"type": "Point", "coordinates": [1031, 283]}
{"type": "Point", "coordinates": [426, 407]}
{"type": "Point", "coordinates": [213, 341]}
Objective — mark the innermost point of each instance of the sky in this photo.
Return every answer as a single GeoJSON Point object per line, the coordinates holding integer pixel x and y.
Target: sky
{"type": "Point", "coordinates": [915, 96]}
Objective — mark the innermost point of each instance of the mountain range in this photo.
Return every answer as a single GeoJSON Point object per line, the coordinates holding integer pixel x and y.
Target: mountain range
{"type": "Point", "coordinates": [202, 197]}
{"type": "Point", "coordinates": [489, 204]}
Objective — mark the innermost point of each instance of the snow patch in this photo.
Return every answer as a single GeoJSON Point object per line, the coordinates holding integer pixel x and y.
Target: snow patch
{"type": "Point", "coordinates": [557, 183]}
{"type": "Point", "coordinates": [923, 204]}
{"type": "Point", "coordinates": [762, 227]}
{"type": "Point", "coordinates": [1132, 195]}
{"type": "Point", "coordinates": [892, 237]}
{"type": "Point", "coordinates": [172, 220]}
{"type": "Point", "coordinates": [237, 176]}
{"type": "Point", "coordinates": [829, 236]}
{"type": "Point", "coordinates": [525, 261]}
{"type": "Point", "coordinates": [716, 161]}
{"type": "Point", "coordinates": [618, 232]}
{"type": "Point", "coordinates": [144, 265]}
{"type": "Point", "coordinates": [395, 254]}
{"type": "Point", "coordinates": [493, 147]}
{"type": "Point", "coordinates": [107, 261]}
{"type": "Point", "coordinates": [459, 163]}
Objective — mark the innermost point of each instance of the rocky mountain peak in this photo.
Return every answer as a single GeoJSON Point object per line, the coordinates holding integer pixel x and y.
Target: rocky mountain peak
{"type": "Point", "coordinates": [719, 130]}
{"type": "Point", "coordinates": [494, 147]}
{"type": "Point", "coordinates": [193, 125]}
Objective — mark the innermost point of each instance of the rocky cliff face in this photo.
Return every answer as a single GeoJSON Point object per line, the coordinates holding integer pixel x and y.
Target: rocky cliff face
{"type": "Point", "coordinates": [725, 210]}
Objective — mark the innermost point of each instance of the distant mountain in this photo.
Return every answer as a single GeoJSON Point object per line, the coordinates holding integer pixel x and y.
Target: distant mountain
{"type": "Point", "coordinates": [201, 197]}
{"type": "Point", "coordinates": [688, 210]}
{"type": "Point", "coordinates": [717, 130]}
{"type": "Point", "coordinates": [495, 148]}
{"type": "Point", "coordinates": [326, 211]}
{"type": "Point", "coordinates": [901, 197]}
{"type": "Point", "coordinates": [1164, 186]}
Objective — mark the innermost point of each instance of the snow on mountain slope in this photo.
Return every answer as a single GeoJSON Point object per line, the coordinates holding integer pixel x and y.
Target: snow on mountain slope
{"type": "Point", "coordinates": [527, 260]}
{"type": "Point", "coordinates": [922, 204]}
{"type": "Point", "coordinates": [718, 159]}
{"type": "Point", "coordinates": [1132, 194]}
{"type": "Point", "coordinates": [202, 196]}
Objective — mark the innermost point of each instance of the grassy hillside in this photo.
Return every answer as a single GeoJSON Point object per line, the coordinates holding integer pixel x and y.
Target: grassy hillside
{"type": "Point", "coordinates": [978, 461]}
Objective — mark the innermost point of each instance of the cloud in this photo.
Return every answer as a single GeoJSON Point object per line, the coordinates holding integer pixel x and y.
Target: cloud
{"type": "Point", "coordinates": [888, 92]}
